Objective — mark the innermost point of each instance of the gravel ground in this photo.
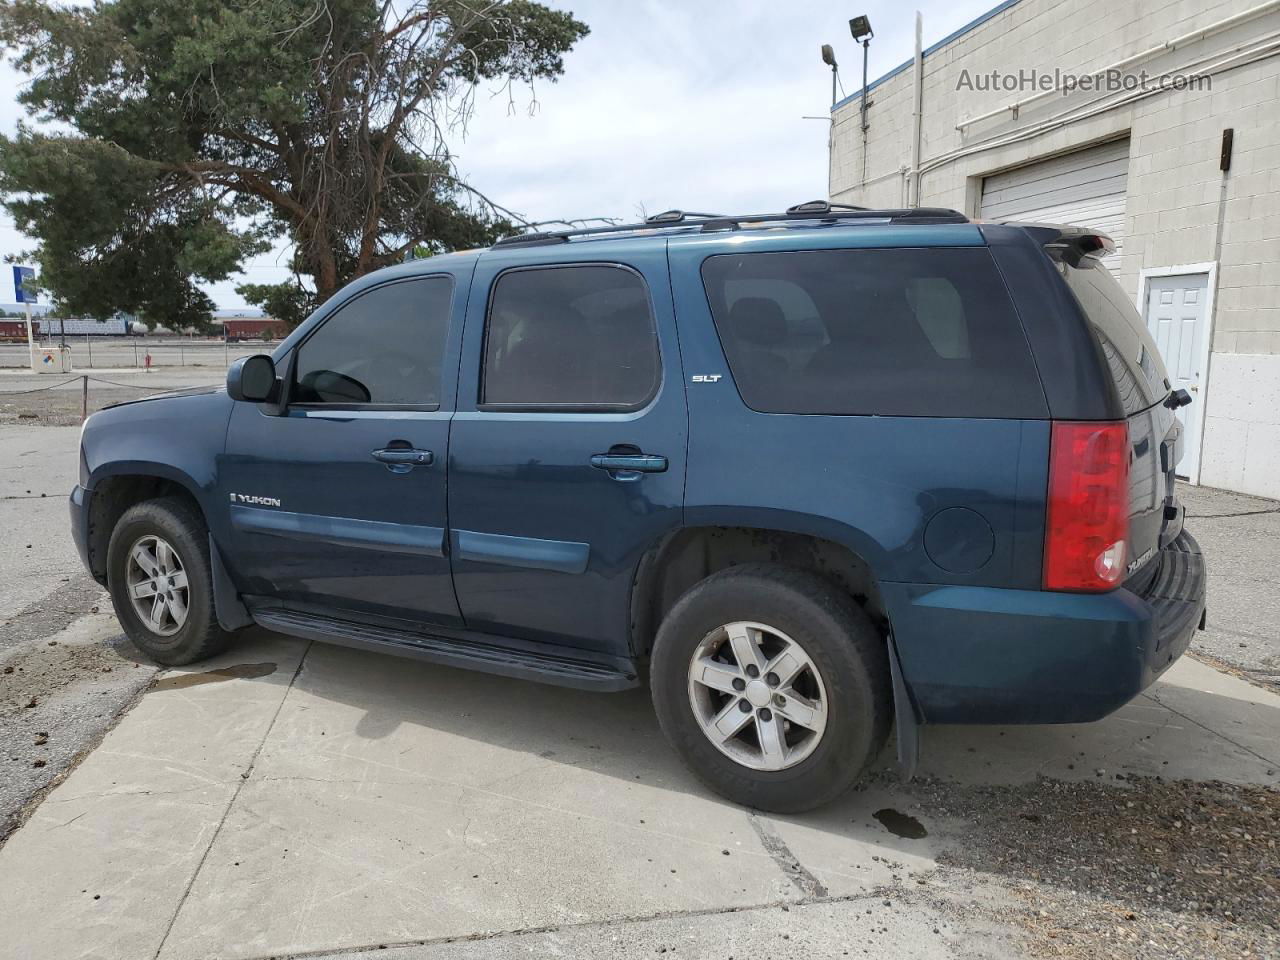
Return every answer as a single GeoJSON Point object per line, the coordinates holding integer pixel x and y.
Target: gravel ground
{"type": "Point", "coordinates": [62, 407]}
{"type": "Point", "coordinates": [63, 684]}
{"type": "Point", "coordinates": [1137, 869]}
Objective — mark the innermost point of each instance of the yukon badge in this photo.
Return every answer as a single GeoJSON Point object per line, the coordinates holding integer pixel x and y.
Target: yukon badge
{"type": "Point", "coordinates": [1139, 561]}
{"type": "Point", "coordinates": [255, 500]}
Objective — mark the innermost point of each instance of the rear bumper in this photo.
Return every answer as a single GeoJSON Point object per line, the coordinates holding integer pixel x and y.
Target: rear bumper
{"type": "Point", "coordinates": [988, 655]}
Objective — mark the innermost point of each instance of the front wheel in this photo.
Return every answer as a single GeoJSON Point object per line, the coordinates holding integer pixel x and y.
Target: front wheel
{"type": "Point", "coordinates": [773, 686]}
{"type": "Point", "coordinates": [161, 588]}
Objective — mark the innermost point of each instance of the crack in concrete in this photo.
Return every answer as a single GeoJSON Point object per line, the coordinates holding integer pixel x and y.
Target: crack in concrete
{"type": "Point", "coordinates": [878, 893]}
{"type": "Point", "coordinates": [1228, 516]}
{"type": "Point", "coordinates": [1217, 733]}
{"type": "Point", "coordinates": [244, 778]}
{"type": "Point", "coordinates": [109, 794]}
{"type": "Point", "coordinates": [787, 861]}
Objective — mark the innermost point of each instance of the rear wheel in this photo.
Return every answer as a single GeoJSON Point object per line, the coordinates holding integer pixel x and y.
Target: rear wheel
{"type": "Point", "coordinates": [161, 588]}
{"type": "Point", "coordinates": [773, 686]}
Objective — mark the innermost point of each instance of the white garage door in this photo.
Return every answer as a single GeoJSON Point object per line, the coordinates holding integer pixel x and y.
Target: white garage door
{"type": "Point", "coordinates": [1085, 188]}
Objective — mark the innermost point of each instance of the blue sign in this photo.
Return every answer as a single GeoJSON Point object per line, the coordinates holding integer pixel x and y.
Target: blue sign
{"type": "Point", "coordinates": [20, 276]}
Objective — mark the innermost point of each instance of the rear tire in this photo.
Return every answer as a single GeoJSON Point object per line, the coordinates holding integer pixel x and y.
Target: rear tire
{"type": "Point", "coordinates": [798, 747]}
{"type": "Point", "coordinates": [161, 587]}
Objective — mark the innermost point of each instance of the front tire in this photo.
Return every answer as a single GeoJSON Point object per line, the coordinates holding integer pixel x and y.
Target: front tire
{"type": "Point", "coordinates": [773, 686]}
{"type": "Point", "coordinates": [161, 587]}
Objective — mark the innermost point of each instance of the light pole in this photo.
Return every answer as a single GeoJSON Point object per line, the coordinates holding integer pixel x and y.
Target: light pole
{"type": "Point", "coordinates": [860, 27]}
{"type": "Point", "coordinates": [829, 58]}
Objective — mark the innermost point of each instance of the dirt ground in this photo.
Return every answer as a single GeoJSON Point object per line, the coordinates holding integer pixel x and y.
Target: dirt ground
{"type": "Point", "coordinates": [1124, 867]}
{"type": "Point", "coordinates": [63, 407]}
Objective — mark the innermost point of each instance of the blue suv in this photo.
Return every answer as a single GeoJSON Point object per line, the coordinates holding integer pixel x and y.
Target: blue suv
{"type": "Point", "coordinates": [807, 474]}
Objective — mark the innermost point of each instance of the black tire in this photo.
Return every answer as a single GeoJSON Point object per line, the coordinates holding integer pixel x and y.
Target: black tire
{"type": "Point", "coordinates": [841, 641]}
{"type": "Point", "coordinates": [182, 527]}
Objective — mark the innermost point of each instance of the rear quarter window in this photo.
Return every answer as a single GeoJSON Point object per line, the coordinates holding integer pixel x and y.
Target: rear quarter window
{"type": "Point", "coordinates": [890, 332]}
{"type": "Point", "coordinates": [1133, 360]}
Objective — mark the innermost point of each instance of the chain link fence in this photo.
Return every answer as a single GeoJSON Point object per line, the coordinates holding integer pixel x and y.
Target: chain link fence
{"type": "Point", "coordinates": [105, 353]}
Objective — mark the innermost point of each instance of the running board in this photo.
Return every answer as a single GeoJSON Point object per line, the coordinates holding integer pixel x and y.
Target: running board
{"type": "Point", "coordinates": [524, 660]}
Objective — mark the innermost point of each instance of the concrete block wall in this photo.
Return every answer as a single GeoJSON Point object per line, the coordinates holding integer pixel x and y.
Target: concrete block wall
{"type": "Point", "coordinates": [1180, 208]}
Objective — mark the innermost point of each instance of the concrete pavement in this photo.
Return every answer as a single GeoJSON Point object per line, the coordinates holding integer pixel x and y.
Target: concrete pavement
{"type": "Point", "coordinates": [38, 468]}
{"type": "Point", "coordinates": [293, 799]}
{"type": "Point", "coordinates": [1240, 535]}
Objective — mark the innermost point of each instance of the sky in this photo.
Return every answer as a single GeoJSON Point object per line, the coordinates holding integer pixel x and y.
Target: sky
{"type": "Point", "coordinates": [693, 104]}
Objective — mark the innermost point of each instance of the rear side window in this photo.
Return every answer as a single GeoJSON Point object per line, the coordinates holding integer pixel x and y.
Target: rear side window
{"type": "Point", "coordinates": [1133, 359]}
{"type": "Point", "coordinates": [575, 337]}
{"type": "Point", "coordinates": [898, 332]}
{"type": "Point", "coordinates": [384, 347]}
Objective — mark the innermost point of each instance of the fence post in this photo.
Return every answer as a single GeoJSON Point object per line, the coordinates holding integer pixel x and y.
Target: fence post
{"type": "Point", "coordinates": [182, 354]}
{"type": "Point", "coordinates": [89, 343]}
{"type": "Point", "coordinates": [84, 398]}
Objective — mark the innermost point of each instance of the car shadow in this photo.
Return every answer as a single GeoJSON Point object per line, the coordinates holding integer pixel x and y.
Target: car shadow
{"type": "Point", "coordinates": [375, 708]}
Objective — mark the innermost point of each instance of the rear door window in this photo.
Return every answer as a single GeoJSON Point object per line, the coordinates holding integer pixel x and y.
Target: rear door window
{"type": "Point", "coordinates": [1132, 357]}
{"type": "Point", "coordinates": [570, 337]}
{"type": "Point", "coordinates": [892, 332]}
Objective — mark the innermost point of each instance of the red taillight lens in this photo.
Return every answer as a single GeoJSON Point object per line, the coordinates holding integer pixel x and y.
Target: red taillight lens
{"type": "Point", "coordinates": [1087, 530]}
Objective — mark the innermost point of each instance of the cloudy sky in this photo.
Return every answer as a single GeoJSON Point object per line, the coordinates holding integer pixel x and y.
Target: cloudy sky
{"type": "Point", "coordinates": [697, 104]}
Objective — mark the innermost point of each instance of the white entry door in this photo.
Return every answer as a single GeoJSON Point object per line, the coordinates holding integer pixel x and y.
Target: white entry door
{"type": "Point", "coordinates": [1177, 316]}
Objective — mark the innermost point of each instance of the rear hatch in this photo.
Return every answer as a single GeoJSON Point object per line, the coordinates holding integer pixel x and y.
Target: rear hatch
{"type": "Point", "coordinates": [1142, 385]}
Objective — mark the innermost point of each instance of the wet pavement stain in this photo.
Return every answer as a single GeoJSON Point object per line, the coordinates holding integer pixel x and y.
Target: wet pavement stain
{"type": "Point", "coordinates": [901, 824]}
{"type": "Point", "coordinates": [241, 671]}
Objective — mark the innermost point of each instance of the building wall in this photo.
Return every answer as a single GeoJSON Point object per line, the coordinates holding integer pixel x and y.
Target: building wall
{"type": "Point", "coordinates": [1181, 209]}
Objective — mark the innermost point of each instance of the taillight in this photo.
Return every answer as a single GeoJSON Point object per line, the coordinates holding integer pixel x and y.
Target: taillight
{"type": "Point", "coordinates": [1087, 527]}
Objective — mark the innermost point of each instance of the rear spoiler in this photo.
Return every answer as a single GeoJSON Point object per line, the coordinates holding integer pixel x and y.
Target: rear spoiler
{"type": "Point", "coordinates": [1070, 243]}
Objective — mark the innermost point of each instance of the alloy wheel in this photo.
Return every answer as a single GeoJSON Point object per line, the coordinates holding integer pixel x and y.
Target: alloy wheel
{"type": "Point", "coordinates": [156, 582]}
{"type": "Point", "coordinates": [757, 695]}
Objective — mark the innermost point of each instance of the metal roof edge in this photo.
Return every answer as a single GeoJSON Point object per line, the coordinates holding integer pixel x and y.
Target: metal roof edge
{"type": "Point", "coordinates": [934, 48]}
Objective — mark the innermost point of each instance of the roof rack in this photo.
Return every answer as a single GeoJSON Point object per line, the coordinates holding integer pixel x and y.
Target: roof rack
{"type": "Point", "coordinates": [814, 210]}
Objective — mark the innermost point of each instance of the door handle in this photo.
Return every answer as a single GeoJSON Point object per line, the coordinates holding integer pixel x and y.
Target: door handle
{"type": "Point", "coordinates": [404, 457]}
{"type": "Point", "coordinates": [630, 462]}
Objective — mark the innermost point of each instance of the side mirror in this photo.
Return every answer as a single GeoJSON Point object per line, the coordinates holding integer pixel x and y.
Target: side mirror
{"type": "Point", "coordinates": [252, 379]}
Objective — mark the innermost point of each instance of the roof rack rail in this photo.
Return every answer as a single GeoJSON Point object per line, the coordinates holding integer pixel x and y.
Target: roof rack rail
{"type": "Point", "coordinates": [676, 216]}
{"type": "Point", "coordinates": [819, 206]}
{"type": "Point", "coordinates": [816, 210]}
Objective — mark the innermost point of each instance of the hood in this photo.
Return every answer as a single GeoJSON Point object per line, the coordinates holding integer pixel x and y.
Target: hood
{"type": "Point", "coordinates": [170, 394]}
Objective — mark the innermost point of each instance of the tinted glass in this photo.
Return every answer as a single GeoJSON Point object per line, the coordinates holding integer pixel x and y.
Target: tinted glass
{"type": "Point", "coordinates": [905, 332]}
{"type": "Point", "coordinates": [570, 336]}
{"type": "Point", "coordinates": [1132, 356]}
{"type": "Point", "coordinates": [385, 346]}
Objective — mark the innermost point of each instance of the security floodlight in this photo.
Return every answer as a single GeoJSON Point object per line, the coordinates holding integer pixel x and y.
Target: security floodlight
{"type": "Point", "coordinates": [829, 58]}
{"type": "Point", "coordinates": [860, 27]}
